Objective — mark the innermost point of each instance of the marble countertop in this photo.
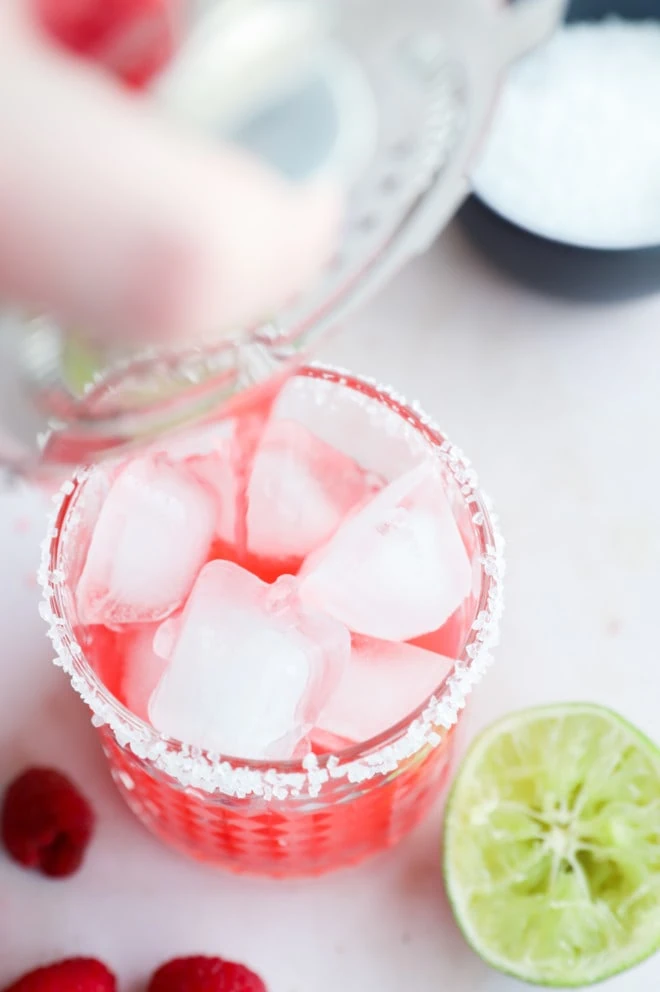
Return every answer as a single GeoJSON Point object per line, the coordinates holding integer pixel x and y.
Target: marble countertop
{"type": "Point", "coordinates": [558, 406]}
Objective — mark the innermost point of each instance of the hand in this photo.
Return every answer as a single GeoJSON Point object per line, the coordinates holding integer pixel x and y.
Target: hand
{"type": "Point", "coordinates": [117, 223]}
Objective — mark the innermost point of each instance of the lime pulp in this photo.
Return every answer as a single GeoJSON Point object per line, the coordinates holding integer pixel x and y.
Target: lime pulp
{"type": "Point", "coordinates": [552, 845]}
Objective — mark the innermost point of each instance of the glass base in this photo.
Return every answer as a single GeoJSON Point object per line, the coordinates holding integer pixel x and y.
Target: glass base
{"type": "Point", "coordinates": [288, 838]}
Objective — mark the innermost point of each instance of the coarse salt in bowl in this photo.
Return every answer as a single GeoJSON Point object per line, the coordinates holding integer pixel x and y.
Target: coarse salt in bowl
{"type": "Point", "coordinates": [567, 187]}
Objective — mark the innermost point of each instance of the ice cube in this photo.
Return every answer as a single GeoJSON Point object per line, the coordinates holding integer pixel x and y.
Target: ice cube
{"type": "Point", "coordinates": [216, 472]}
{"type": "Point", "coordinates": [397, 568]}
{"type": "Point", "coordinates": [151, 538]}
{"type": "Point", "coordinates": [249, 668]}
{"type": "Point", "coordinates": [142, 669]}
{"type": "Point", "coordinates": [300, 490]}
{"type": "Point", "coordinates": [196, 441]}
{"type": "Point", "coordinates": [382, 684]}
{"type": "Point", "coordinates": [356, 422]}
{"type": "Point", "coordinates": [208, 452]}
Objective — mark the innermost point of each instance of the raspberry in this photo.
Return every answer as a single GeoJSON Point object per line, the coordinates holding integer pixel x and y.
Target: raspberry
{"type": "Point", "coordinates": [46, 823]}
{"type": "Point", "coordinates": [134, 39]}
{"type": "Point", "coordinates": [74, 975]}
{"type": "Point", "coordinates": [201, 974]}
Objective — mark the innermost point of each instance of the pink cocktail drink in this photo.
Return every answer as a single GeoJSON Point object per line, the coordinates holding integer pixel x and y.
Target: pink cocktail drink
{"type": "Point", "coordinates": [276, 620]}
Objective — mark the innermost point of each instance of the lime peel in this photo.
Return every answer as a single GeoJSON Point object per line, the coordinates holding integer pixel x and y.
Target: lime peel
{"type": "Point", "coordinates": [552, 845]}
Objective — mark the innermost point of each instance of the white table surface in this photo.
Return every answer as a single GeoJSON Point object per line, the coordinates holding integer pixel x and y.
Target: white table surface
{"type": "Point", "coordinates": [559, 408]}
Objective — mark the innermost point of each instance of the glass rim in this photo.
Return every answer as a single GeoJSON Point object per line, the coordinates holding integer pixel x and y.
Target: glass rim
{"type": "Point", "coordinates": [192, 767]}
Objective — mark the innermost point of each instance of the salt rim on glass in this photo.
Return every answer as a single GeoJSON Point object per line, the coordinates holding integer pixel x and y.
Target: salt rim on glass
{"type": "Point", "coordinates": [209, 772]}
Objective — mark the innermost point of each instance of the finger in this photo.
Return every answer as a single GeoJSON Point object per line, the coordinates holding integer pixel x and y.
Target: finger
{"type": "Point", "coordinates": [121, 225]}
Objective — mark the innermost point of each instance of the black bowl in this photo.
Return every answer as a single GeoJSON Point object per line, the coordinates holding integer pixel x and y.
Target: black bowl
{"type": "Point", "coordinates": [560, 267]}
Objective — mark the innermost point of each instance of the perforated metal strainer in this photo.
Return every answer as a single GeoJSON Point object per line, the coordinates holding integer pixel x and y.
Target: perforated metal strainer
{"type": "Point", "coordinates": [388, 97]}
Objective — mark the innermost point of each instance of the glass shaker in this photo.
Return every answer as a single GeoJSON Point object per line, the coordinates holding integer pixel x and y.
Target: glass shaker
{"type": "Point", "coordinates": [388, 98]}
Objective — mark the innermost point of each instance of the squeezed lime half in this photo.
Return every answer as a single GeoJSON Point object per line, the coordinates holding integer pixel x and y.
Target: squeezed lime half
{"type": "Point", "coordinates": [552, 845]}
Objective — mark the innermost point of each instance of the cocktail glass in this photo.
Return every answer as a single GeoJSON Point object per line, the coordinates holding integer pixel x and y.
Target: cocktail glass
{"type": "Point", "coordinates": [331, 808]}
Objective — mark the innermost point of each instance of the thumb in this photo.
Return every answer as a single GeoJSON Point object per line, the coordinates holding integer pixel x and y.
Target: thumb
{"type": "Point", "coordinates": [122, 226]}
